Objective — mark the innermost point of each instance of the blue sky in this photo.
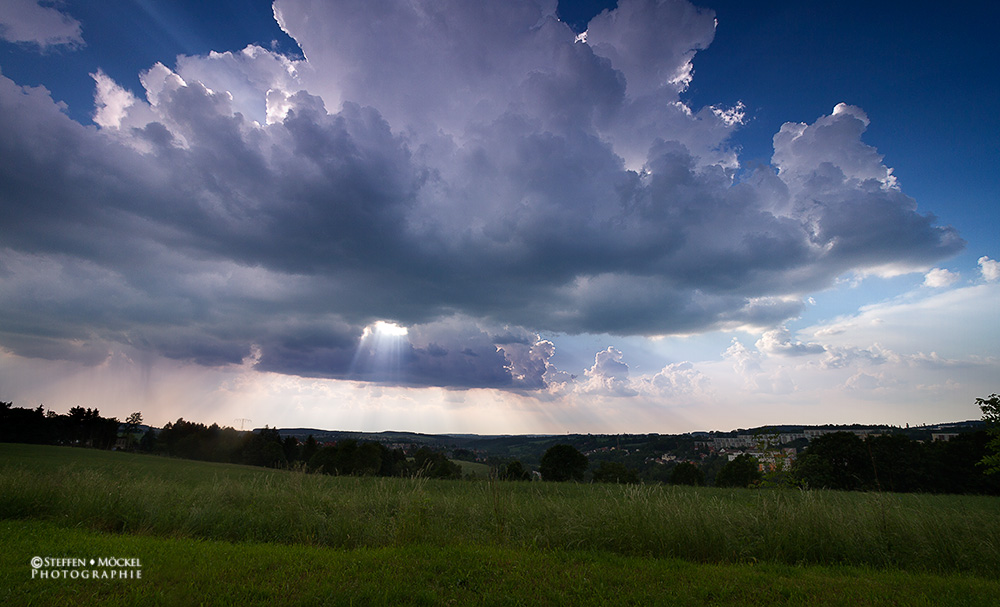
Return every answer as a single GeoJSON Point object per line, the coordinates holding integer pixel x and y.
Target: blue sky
{"type": "Point", "coordinates": [465, 217]}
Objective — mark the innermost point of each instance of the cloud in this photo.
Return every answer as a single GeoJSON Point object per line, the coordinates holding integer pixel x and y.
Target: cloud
{"type": "Point", "coordinates": [111, 101]}
{"type": "Point", "coordinates": [957, 323]}
{"type": "Point", "coordinates": [677, 380]}
{"type": "Point", "coordinates": [37, 23]}
{"type": "Point", "coordinates": [746, 362]}
{"type": "Point", "coordinates": [528, 363]}
{"type": "Point", "coordinates": [609, 375]}
{"type": "Point", "coordinates": [453, 167]}
{"type": "Point", "coordinates": [453, 352]}
{"type": "Point", "coordinates": [753, 367]}
{"type": "Point", "coordinates": [989, 268]}
{"type": "Point", "coordinates": [939, 278]}
{"type": "Point", "coordinates": [779, 341]}
{"type": "Point", "coordinates": [866, 382]}
{"type": "Point", "coordinates": [843, 357]}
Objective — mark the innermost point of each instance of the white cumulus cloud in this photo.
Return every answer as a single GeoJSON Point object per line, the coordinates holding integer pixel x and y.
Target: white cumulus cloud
{"type": "Point", "coordinates": [609, 374]}
{"type": "Point", "coordinates": [39, 23]}
{"type": "Point", "coordinates": [939, 278]}
{"type": "Point", "coordinates": [989, 268]}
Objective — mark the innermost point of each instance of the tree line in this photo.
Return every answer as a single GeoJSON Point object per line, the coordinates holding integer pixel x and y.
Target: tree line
{"type": "Point", "coordinates": [266, 447]}
{"type": "Point", "coordinates": [79, 427]}
{"type": "Point", "coordinates": [838, 460]}
{"type": "Point", "coordinates": [191, 440]}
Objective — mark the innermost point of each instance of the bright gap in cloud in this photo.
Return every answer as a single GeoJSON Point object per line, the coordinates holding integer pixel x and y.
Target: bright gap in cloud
{"type": "Point", "coordinates": [379, 354]}
{"type": "Point", "coordinates": [387, 329]}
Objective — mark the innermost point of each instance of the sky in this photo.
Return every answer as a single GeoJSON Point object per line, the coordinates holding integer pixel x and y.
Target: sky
{"type": "Point", "coordinates": [500, 218]}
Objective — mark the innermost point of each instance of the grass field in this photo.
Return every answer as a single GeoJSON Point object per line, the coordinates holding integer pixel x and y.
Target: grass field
{"type": "Point", "coordinates": [213, 533]}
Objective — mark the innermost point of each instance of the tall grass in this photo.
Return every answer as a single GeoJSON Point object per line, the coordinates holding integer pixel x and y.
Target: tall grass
{"type": "Point", "coordinates": [173, 498]}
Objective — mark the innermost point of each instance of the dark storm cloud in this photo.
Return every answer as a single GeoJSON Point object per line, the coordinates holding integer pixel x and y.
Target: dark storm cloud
{"type": "Point", "coordinates": [465, 169]}
{"type": "Point", "coordinates": [455, 353]}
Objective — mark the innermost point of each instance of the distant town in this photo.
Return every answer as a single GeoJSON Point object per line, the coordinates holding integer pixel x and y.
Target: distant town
{"type": "Point", "coordinates": [652, 455]}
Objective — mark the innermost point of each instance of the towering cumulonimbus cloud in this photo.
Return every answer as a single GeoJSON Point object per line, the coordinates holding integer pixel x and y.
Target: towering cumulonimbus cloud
{"type": "Point", "coordinates": [474, 171]}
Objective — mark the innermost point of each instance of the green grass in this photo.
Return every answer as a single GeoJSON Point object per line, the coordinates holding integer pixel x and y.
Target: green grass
{"type": "Point", "coordinates": [254, 535]}
{"type": "Point", "coordinates": [185, 571]}
{"type": "Point", "coordinates": [473, 469]}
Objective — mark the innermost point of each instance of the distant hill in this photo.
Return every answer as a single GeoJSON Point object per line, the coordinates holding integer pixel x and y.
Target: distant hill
{"type": "Point", "coordinates": [630, 448]}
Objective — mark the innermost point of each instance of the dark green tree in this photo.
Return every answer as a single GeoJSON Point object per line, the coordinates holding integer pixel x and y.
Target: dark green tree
{"type": "Point", "coordinates": [309, 449]}
{"type": "Point", "coordinates": [86, 428]}
{"type": "Point", "coordinates": [898, 463]}
{"type": "Point", "coordinates": [394, 463]}
{"type": "Point", "coordinates": [743, 471]}
{"type": "Point", "coordinates": [147, 444]}
{"type": "Point", "coordinates": [955, 466]}
{"type": "Point", "coordinates": [368, 459]}
{"type": "Point", "coordinates": [264, 448]}
{"type": "Point", "coordinates": [338, 459]}
{"type": "Point", "coordinates": [686, 473]}
{"type": "Point", "coordinates": [839, 460]}
{"type": "Point", "coordinates": [324, 460]}
{"type": "Point", "coordinates": [563, 463]}
{"type": "Point", "coordinates": [615, 472]}
{"type": "Point", "coordinates": [19, 425]}
{"type": "Point", "coordinates": [435, 464]}
{"type": "Point", "coordinates": [349, 457]}
{"type": "Point", "coordinates": [291, 448]}
{"type": "Point", "coordinates": [991, 415]}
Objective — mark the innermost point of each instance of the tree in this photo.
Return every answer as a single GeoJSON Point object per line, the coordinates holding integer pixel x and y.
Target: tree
{"type": "Point", "coordinates": [686, 473]}
{"type": "Point", "coordinates": [394, 463]}
{"type": "Point", "coordinates": [132, 423]}
{"type": "Point", "coordinates": [955, 466]}
{"type": "Point", "coordinates": [264, 448]}
{"type": "Point", "coordinates": [991, 415]}
{"type": "Point", "coordinates": [309, 449]}
{"type": "Point", "coordinates": [367, 459]}
{"type": "Point", "coordinates": [435, 464]}
{"type": "Point", "coordinates": [148, 441]}
{"type": "Point", "coordinates": [24, 425]}
{"type": "Point", "coordinates": [740, 472]}
{"type": "Point", "coordinates": [615, 472]}
{"type": "Point", "coordinates": [291, 448]}
{"type": "Point", "coordinates": [899, 464]}
{"type": "Point", "coordinates": [563, 463]}
{"type": "Point", "coordinates": [838, 460]}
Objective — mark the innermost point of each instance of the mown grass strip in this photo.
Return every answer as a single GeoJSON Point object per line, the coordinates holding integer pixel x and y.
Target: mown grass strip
{"type": "Point", "coordinates": [192, 572]}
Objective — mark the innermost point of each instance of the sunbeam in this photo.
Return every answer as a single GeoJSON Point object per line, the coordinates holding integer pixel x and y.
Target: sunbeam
{"type": "Point", "coordinates": [380, 352]}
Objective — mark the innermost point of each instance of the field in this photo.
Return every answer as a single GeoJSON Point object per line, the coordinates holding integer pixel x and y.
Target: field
{"type": "Point", "coordinates": [224, 534]}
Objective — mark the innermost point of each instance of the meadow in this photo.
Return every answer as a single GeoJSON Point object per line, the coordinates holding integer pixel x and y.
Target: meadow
{"type": "Point", "coordinates": [211, 533]}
